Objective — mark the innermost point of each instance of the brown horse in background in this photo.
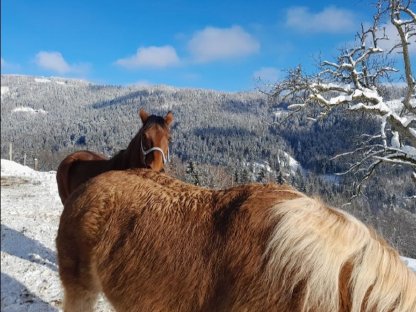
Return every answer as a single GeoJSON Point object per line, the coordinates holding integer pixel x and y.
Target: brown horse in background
{"type": "Point", "coordinates": [148, 149]}
{"type": "Point", "coordinates": [153, 243]}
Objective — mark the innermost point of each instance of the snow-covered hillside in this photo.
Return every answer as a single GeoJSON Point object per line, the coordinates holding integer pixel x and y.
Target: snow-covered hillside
{"type": "Point", "coordinates": [30, 211]}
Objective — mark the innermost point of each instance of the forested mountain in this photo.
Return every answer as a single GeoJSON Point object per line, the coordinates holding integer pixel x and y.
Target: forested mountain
{"type": "Point", "coordinates": [219, 139]}
{"type": "Point", "coordinates": [65, 115]}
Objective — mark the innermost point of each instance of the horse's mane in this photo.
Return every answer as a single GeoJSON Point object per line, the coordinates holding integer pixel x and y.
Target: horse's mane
{"type": "Point", "coordinates": [335, 261]}
{"type": "Point", "coordinates": [154, 119]}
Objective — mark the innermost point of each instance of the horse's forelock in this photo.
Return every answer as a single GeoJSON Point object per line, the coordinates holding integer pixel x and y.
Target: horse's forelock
{"type": "Point", "coordinates": [155, 120]}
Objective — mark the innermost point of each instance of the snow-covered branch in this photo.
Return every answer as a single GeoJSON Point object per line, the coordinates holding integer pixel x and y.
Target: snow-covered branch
{"type": "Point", "coordinates": [405, 30]}
{"type": "Point", "coordinates": [354, 81]}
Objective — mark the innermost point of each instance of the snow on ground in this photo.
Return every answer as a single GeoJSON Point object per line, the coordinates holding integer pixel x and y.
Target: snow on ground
{"type": "Point", "coordinates": [411, 263]}
{"type": "Point", "coordinates": [278, 114]}
{"type": "Point", "coordinates": [256, 167]}
{"type": "Point", "coordinates": [42, 80]}
{"type": "Point", "coordinates": [30, 212]}
{"type": "Point", "coordinates": [4, 90]}
{"type": "Point", "coordinates": [395, 105]}
{"type": "Point", "coordinates": [331, 178]}
{"type": "Point", "coordinates": [25, 109]}
{"type": "Point", "coordinates": [290, 162]}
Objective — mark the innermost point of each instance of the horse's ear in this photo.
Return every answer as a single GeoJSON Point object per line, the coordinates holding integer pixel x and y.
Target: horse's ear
{"type": "Point", "coordinates": [143, 115]}
{"type": "Point", "coordinates": [169, 118]}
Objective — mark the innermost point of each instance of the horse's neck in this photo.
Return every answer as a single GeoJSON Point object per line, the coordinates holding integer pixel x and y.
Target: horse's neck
{"type": "Point", "coordinates": [85, 170]}
{"type": "Point", "coordinates": [120, 161]}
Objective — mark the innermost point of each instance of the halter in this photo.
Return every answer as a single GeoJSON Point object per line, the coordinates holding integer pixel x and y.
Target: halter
{"type": "Point", "coordinates": [145, 152]}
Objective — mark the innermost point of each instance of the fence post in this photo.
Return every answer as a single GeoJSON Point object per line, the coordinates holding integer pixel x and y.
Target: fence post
{"type": "Point", "coordinates": [36, 164]}
{"type": "Point", "coordinates": [24, 159]}
{"type": "Point", "coordinates": [10, 151]}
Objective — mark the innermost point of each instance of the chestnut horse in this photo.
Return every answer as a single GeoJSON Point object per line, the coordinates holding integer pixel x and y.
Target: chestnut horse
{"type": "Point", "coordinates": [148, 149]}
{"type": "Point", "coordinates": [153, 243]}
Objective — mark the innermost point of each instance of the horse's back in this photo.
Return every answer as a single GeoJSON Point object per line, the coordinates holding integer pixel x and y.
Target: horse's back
{"type": "Point", "coordinates": [181, 246]}
{"type": "Point", "coordinates": [151, 242]}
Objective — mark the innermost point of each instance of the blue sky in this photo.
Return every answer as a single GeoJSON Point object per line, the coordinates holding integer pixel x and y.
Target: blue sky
{"type": "Point", "coordinates": [222, 45]}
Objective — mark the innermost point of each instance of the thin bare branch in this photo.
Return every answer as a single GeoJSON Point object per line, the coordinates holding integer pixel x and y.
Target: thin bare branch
{"type": "Point", "coordinates": [352, 81]}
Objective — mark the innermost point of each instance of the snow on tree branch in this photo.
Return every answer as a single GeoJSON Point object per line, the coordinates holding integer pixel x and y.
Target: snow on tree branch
{"type": "Point", "coordinates": [406, 30]}
{"type": "Point", "coordinates": [354, 81]}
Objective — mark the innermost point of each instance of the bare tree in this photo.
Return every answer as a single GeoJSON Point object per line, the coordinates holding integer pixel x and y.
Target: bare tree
{"type": "Point", "coordinates": [353, 81]}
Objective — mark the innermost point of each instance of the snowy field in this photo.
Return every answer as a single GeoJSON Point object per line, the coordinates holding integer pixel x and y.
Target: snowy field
{"type": "Point", "coordinates": [30, 211]}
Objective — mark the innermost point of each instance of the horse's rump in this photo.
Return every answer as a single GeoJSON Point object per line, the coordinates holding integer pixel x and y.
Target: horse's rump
{"type": "Point", "coordinates": [64, 168]}
{"type": "Point", "coordinates": [151, 242]}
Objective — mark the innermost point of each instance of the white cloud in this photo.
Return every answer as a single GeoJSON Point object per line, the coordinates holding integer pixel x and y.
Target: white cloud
{"type": "Point", "coordinates": [5, 65]}
{"type": "Point", "coordinates": [55, 62]}
{"type": "Point", "coordinates": [391, 32]}
{"type": "Point", "coordinates": [267, 74]}
{"type": "Point", "coordinates": [329, 20]}
{"type": "Point", "coordinates": [212, 44]}
{"type": "Point", "coordinates": [151, 57]}
{"type": "Point", "coordinates": [386, 45]}
{"type": "Point", "coordinates": [141, 83]}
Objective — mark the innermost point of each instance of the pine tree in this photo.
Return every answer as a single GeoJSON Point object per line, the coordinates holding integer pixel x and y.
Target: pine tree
{"type": "Point", "coordinates": [279, 178]}
{"type": "Point", "coordinates": [192, 175]}
{"type": "Point", "coordinates": [261, 176]}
